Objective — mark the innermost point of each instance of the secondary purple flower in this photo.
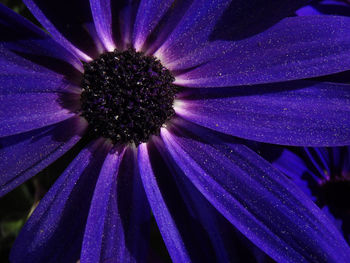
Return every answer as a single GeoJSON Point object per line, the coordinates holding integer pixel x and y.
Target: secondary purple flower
{"type": "Point", "coordinates": [323, 174]}
{"type": "Point", "coordinates": [326, 7]}
{"type": "Point", "coordinates": [158, 126]}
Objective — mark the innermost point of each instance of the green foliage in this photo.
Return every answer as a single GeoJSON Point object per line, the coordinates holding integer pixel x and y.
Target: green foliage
{"type": "Point", "coordinates": [19, 7]}
{"type": "Point", "coordinates": [14, 208]}
{"type": "Point", "coordinates": [15, 5]}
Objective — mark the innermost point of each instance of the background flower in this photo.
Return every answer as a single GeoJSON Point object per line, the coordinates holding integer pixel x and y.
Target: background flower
{"type": "Point", "coordinates": [326, 7]}
{"type": "Point", "coordinates": [324, 174]}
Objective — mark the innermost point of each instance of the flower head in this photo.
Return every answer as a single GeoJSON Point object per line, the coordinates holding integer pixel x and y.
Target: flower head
{"type": "Point", "coordinates": [323, 174]}
{"type": "Point", "coordinates": [160, 97]}
{"type": "Point", "coordinates": [127, 96]}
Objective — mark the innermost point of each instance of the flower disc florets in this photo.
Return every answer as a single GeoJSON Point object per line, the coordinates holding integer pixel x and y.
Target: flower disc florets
{"type": "Point", "coordinates": [127, 96]}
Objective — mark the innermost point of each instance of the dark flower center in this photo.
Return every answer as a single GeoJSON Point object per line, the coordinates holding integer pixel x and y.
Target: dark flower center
{"type": "Point", "coordinates": [336, 193]}
{"type": "Point", "coordinates": [127, 96]}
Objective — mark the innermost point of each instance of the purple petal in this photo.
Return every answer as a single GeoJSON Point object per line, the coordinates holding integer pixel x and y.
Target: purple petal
{"type": "Point", "coordinates": [102, 14]}
{"type": "Point", "coordinates": [247, 18]}
{"type": "Point", "coordinates": [295, 48]}
{"type": "Point", "coordinates": [124, 24]}
{"type": "Point", "coordinates": [327, 7]}
{"type": "Point", "coordinates": [203, 237]}
{"type": "Point", "coordinates": [338, 222]}
{"type": "Point", "coordinates": [229, 245]}
{"type": "Point", "coordinates": [33, 91]}
{"type": "Point", "coordinates": [150, 13]}
{"type": "Point", "coordinates": [114, 21]}
{"type": "Point", "coordinates": [196, 22]}
{"type": "Point", "coordinates": [32, 71]}
{"type": "Point", "coordinates": [190, 32]}
{"type": "Point", "coordinates": [25, 112]}
{"type": "Point", "coordinates": [32, 96]}
{"type": "Point", "coordinates": [262, 203]}
{"type": "Point", "coordinates": [29, 43]}
{"type": "Point", "coordinates": [308, 11]}
{"type": "Point", "coordinates": [33, 79]}
{"type": "Point", "coordinates": [69, 22]}
{"type": "Point", "coordinates": [17, 80]}
{"type": "Point", "coordinates": [165, 221]}
{"type": "Point", "coordinates": [292, 166]}
{"type": "Point", "coordinates": [24, 155]}
{"type": "Point", "coordinates": [156, 20]}
{"type": "Point", "coordinates": [293, 113]}
{"type": "Point", "coordinates": [119, 216]}
{"type": "Point", "coordinates": [55, 230]}
{"type": "Point", "coordinates": [34, 67]}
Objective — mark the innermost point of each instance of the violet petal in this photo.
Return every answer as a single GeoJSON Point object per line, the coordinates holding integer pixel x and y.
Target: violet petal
{"type": "Point", "coordinates": [261, 202]}
{"type": "Point", "coordinates": [301, 113]}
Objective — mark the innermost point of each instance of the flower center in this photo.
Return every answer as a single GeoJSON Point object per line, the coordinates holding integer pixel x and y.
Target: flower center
{"type": "Point", "coordinates": [336, 193]}
{"type": "Point", "coordinates": [127, 96]}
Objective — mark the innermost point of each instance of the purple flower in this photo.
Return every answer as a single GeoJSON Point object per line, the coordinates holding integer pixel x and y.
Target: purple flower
{"type": "Point", "coordinates": [324, 175]}
{"type": "Point", "coordinates": [160, 96]}
{"type": "Point", "coordinates": [326, 7]}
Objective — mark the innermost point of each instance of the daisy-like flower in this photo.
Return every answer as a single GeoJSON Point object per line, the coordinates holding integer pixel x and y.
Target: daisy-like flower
{"type": "Point", "coordinates": [161, 95]}
{"type": "Point", "coordinates": [323, 174]}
